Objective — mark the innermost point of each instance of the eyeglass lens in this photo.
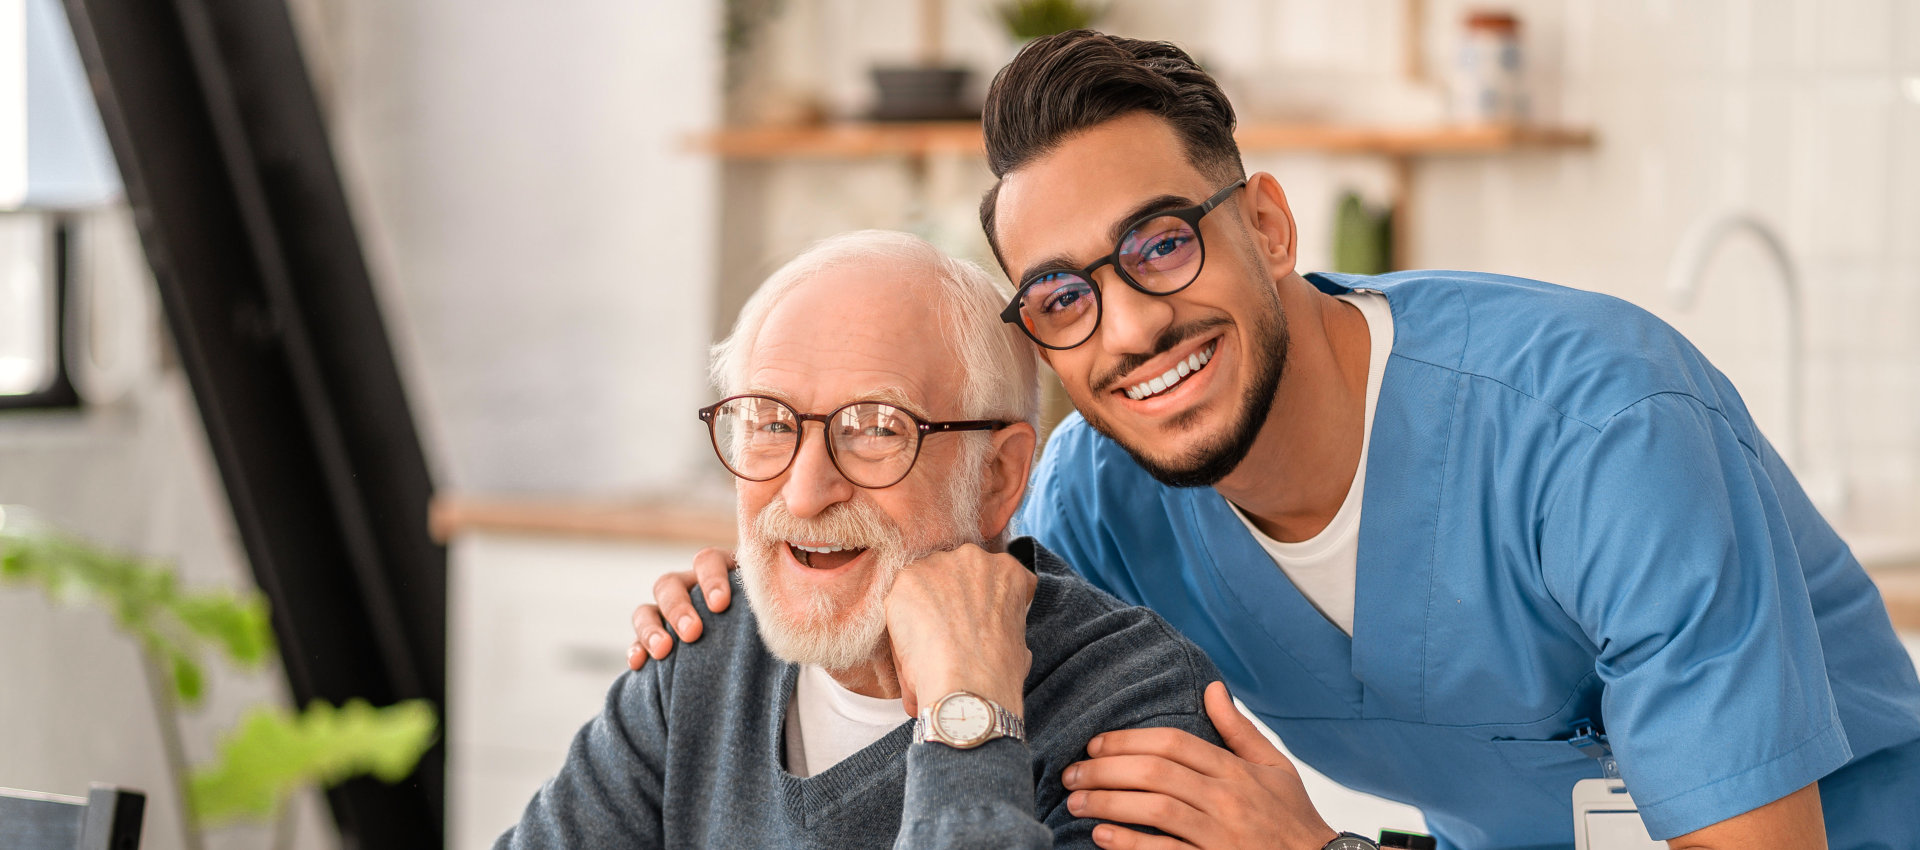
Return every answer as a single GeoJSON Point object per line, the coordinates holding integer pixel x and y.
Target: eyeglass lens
{"type": "Point", "coordinates": [872, 444]}
{"type": "Point", "coordinates": [1161, 256]}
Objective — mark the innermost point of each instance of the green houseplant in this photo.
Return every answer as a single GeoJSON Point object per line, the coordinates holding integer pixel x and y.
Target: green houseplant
{"type": "Point", "coordinates": [273, 752]}
{"type": "Point", "coordinates": [1027, 20]}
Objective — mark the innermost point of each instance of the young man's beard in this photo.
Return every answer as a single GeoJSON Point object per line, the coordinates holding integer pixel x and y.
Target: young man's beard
{"type": "Point", "coordinates": [1205, 465]}
{"type": "Point", "coordinates": [824, 629]}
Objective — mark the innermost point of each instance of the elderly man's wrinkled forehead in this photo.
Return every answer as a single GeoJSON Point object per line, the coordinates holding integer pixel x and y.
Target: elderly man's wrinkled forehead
{"type": "Point", "coordinates": [868, 329]}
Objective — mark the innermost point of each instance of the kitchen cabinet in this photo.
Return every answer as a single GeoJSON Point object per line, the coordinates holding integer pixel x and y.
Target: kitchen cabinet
{"type": "Point", "coordinates": [539, 598]}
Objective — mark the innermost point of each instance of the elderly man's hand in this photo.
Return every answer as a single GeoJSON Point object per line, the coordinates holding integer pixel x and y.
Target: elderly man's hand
{"type": "Point", "coordinates": [958, 622]}
{"type": "Point", "coordinates": [673, 601]}
{"type": "Point", "coordinates": [1202, 796]}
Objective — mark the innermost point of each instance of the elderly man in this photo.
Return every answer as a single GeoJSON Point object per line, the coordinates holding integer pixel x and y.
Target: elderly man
{"type": "Point", "coordinates": [878, 590]}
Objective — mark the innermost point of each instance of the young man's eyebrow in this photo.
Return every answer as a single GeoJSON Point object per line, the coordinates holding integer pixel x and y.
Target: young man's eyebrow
{"type": "Point", "coordinates": [1118, 229]}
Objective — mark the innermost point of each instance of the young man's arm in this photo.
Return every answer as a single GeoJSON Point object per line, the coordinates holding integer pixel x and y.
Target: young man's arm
{"type": "Point", "coordinates": [1792, 822]}
{"type": "Point", "coordinates": [1668, 543]}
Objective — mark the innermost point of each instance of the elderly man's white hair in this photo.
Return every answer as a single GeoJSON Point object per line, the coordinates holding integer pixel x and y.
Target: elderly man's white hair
{"type": "Point", "coordinates": [1001, 371]}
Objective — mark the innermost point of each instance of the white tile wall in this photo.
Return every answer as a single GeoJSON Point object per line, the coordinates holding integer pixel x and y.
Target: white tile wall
{"type": "Point", "coordinates": [540, 233]}
{"type": "Point", "coordinates": [1790, 109]}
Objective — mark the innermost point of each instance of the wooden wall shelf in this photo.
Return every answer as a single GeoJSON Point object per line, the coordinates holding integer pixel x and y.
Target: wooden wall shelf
{"type": "Point", "coordinates": [914, 142]}
{"type": "Point", "coordinates": [856, 140]}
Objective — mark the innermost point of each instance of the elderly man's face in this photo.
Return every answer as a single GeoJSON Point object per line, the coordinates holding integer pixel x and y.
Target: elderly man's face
{"type": "Point", "coordinates": [854, 334]}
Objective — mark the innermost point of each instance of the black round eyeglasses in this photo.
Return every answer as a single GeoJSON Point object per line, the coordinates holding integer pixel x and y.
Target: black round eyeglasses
{"type": "Point", "coordinates": [1161, 254]}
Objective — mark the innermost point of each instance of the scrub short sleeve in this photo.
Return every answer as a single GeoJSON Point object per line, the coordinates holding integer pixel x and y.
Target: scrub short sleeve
{"type": "Point", "coordinates": [1062, 511]}
{"type": "Point", "coordinates": [1668, 545]}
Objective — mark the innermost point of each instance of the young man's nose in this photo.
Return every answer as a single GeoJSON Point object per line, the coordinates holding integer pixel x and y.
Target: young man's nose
{"type": "Point", "coordinates": [1131, 320]}
{"type": "Point", "coordinates": [813, 482]}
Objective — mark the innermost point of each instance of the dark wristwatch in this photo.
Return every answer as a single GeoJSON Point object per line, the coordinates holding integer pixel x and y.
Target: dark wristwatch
{"type": "Point", "coordinates": [1350, 841]}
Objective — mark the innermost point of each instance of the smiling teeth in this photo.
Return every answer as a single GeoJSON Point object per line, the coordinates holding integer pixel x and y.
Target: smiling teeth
{"type": "Point", "coordinates": [820, 550]}
{"type": "Point", "coordinates": [1165, 382]}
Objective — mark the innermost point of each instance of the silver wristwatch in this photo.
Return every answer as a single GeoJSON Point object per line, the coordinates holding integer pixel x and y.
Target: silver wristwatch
{"type": "Point", "coordinates": [965, 720]}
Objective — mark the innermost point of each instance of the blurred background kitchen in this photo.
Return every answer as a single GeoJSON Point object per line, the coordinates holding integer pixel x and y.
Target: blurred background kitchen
{"type": "Point", "coordinates": [484, 319]}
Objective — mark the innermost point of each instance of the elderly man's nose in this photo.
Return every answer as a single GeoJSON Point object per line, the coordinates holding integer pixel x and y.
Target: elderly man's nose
{"type": "Point", "coordinates": [813, 482]}
{"type": "Point", "coordinates": [1131, 320]}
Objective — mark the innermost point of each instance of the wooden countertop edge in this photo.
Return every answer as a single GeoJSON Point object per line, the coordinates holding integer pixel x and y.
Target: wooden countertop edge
{"type": "Point", "coordinates": [652, 521]}
{"type": "Point", "coordinates": [1900, 588]}
{"type": "Point", "coordinates": [659, 521]}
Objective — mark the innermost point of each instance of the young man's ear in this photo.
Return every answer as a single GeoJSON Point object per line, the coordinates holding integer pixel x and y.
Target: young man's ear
{"type": "Point", "coordinates": [1009, 463]}
{"type": "Point", "coordinates": [1270, 220]}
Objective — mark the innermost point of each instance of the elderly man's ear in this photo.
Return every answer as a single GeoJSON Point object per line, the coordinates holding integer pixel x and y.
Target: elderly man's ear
{"type": "Point", "coordinates": [1007, 468]}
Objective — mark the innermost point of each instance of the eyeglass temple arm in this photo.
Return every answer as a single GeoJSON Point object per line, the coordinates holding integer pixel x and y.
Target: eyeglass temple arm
{"type": "Point", "coordinates": [1011, 315]}
{"type": "Point", "coordinates": [1221, 196]}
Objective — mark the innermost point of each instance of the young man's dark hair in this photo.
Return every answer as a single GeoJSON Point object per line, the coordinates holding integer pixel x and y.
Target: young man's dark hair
{"type": "Point", "coordinates": [1072, 81]}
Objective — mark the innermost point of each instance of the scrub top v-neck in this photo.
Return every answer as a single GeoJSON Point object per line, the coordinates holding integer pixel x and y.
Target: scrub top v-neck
{"type": "Point", "coordinates": [1568, 514]}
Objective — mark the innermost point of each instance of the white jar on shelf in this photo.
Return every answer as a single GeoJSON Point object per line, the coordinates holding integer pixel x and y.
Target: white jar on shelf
{"type": "Point", "coordinates": [1486, 81]}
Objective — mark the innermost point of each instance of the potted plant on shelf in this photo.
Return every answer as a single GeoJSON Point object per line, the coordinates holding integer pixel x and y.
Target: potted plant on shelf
{"type": "Point", "coordinates": [932, 89]}
{"type": "Point", "coordinates": [1027, 20]}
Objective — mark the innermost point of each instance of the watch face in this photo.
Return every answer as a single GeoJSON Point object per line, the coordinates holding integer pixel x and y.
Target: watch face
{"type": "Point", "coordinates": [964, 719]}
{"type": "Point", "coordinates": [1348, 842]}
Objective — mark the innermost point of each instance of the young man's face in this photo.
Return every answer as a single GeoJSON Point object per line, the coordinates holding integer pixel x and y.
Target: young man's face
{"type": "Point", "coordinates": [1063, 209]}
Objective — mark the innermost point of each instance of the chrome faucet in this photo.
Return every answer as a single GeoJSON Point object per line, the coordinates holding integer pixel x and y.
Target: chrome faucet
{"type": "Point", "coordinates": [1683, 284]}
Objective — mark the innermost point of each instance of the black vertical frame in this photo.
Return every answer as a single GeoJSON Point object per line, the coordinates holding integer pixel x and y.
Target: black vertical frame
{"type": "Point", "coordinates": [217, 132]}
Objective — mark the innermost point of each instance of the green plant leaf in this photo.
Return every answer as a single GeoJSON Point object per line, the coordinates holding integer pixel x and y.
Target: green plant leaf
{"type": "Point", "coordinates": [274, 752]}
{"type": "Point", "coordinates": [175, 626]}
{"type": "Point", "coordinates": [1030, 19]}
{"type": "Point", "coordinates": [241, 626]}
{"type": "Point", "coordinates": [188, 681]}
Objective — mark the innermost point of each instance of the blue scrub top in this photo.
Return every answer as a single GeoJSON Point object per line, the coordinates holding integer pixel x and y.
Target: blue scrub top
{"type": "Point", "coordinates": [1568, 514]}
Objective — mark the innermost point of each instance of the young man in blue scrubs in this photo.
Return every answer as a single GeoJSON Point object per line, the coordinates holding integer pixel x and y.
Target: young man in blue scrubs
{"type": "Point", "coordinates": [1431, 526]}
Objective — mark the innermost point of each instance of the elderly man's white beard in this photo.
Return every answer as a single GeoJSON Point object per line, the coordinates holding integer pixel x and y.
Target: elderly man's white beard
{"type": "Point", "coordinates": [815, 626]}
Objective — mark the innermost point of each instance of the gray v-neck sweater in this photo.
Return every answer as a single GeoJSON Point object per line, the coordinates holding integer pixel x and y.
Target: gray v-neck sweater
{"type": "Point", "coordinates": [688, 751]}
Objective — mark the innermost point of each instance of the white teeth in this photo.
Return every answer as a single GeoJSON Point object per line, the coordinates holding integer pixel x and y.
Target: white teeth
{"type": "Point", "coordinates": [820, 550]}
{"type": "Point", "coordinates": [1180, 370]}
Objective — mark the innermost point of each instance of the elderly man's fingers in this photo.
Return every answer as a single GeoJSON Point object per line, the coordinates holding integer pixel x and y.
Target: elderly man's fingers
{"type": "Point", "coordinates": [1159, 811]}
{"type": "Point", "coordinates": [1111, 837]}
{"type": "Point", "coordinates": [650, 638]}
{"type": "Point", "coordinates": [1174, 745]}
{"type": "Point", "coordinates": [710, 567]}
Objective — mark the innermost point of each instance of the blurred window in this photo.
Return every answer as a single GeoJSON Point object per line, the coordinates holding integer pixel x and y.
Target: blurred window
{"type": "Point", "coordinates": [54, 165]}
{"type": "Point", "coordinates": [29, 332]}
